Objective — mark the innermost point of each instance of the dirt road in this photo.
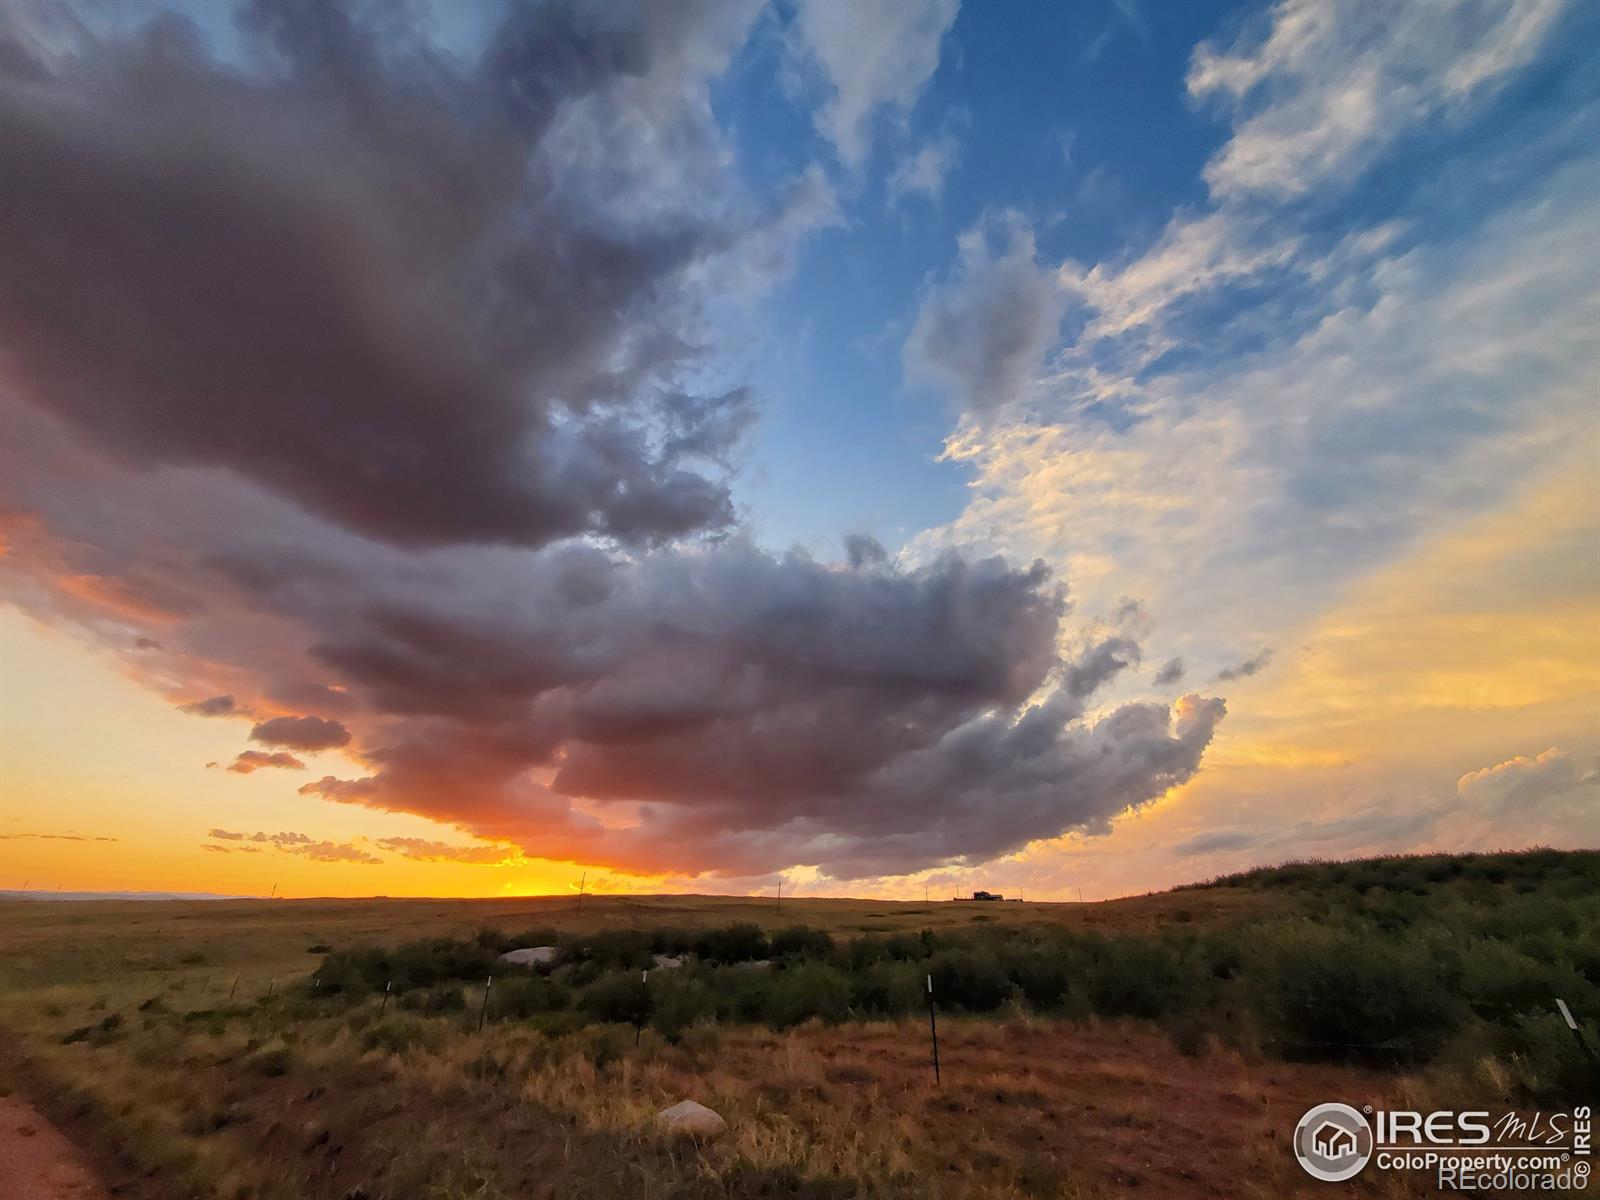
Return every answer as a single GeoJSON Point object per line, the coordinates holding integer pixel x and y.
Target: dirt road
{"type": "Point", "coordinates": [37, 1162]}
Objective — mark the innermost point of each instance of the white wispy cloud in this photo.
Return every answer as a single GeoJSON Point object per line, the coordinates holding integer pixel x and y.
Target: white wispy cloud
{"type": "Point", "coordinates": [1363, 407]}
{"type": "Point", "coordinates": [1289, 388]}
{"type": "Point", "coordinates": [871, 58]}
{"type": "Point", "coordinates": [1330, 86]}
{"type": "Point", "coordinates": [922, 172]}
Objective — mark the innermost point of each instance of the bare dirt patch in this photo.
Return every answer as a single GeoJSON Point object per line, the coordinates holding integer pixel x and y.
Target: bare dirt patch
{"type": "Point", "coordinates": [37, 1162]}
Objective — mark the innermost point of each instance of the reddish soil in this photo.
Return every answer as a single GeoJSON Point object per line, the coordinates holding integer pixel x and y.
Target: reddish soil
{"type": "Point", "coordinates": [37, 1162]}
{"type": "Point", "coordinates": [1115, 1111]}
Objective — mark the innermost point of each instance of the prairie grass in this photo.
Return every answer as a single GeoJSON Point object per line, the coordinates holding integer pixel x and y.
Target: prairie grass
{"type": "Point", "coordinates": [233, 1077]}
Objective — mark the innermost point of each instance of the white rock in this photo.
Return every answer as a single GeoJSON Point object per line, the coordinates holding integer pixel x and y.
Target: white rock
{"type": "Point", "coordinates": [533, 956]}
{"type": "Point", "coordinates": [690, 1118]}
{"type": "Point", "coordinates": [665, 962]}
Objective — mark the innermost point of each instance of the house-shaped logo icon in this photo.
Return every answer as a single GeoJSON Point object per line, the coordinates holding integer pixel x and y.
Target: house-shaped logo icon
{"type": "Point", "coordinates": [1333, 1141]}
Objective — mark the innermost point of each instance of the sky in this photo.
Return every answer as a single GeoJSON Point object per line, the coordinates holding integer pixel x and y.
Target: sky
{"type": "Point", "coordinates": [877, 448]}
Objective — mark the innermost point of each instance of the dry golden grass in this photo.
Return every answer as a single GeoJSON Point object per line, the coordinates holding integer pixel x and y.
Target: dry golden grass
{"type": "Point", "coordinates": [1040, 1111]}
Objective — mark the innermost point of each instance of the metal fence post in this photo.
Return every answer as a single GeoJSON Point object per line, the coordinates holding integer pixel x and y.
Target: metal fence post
{"type": "Point", "coordinates": [1577, 1036]}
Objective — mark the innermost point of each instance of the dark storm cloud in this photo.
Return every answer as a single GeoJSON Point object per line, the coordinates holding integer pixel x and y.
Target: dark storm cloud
{"type": "Point", "coordinates": [863, 550]}
{"type": "Point", "coordinates": [253, 760]}
{"type": "Point", "coordinates": [1099, 663]}
{"type": "Point", "coordinates": [764, 710]}
{"type": "Point", "coordinates": [1248, 667]}
{"type": "Point", "coordinates": [214, 706]}
{"type": "Point", "coordinates": [300, 733]}
{"type": "Point", "coordinates": [737, 710]}
{"type": "Point", "coordinates": [368, 250]}
{"type": "Point", "coordinates": [1171, 672]}
{"type": "Point", "coordinates": [412, 346]}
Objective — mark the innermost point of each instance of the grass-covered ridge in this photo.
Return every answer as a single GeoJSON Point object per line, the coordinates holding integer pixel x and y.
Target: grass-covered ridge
{"type": "Point", "coordinates": [1481, 876]}
{"type": "Point", "coordinates": [1395, 962]}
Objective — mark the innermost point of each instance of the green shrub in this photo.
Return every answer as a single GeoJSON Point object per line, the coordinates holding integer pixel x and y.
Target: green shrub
{"type": "Point", "coordinates": [612, 950]}
{"type": "Point", "coordinates": [414, 965]}
{"type": "Point", "coordinates": [739, 993]}
{"type": "Point", "coordinates": [807, 991]}
{"type": "Point", "coordinates": [909, 947]}
{"type": "Point", "coordinates": [435, 1001]}
{"type": "Point", "coordinates": [860, 953]}
{"type": "Point", "coordinates": [1393, 910]}
{"type": "Point", "coordinates": [801, 941]}
{"type": "Point", "coordinates": [1496, 977]}
{"type": "Point", "coordinates": [677, 1001]}
{"type": "Point", "coordinates": [492, 940]}
{"type": "Point", "coordinates": [518, 998]}
{"type": "Point", "coordinates": [624, 999]}
{"type": "Point", "coordinates": [1334, 994]}
{"type": "Point", "coordinates": [542, 935]}
{"type": "Point", "coordinates": [887, 989]}
{"type": "Point", "coordinates": [271, 1062]}
{"type": "Point", "coordinates": [399, 1034]}
{"type": "Point", "coordinates": [969, 979]}
{"type": "Point", "coordinates": [1546, 1064]}
{"type": "Point", "coordinates": [107, 1031]}
{"type": "Point", "coordinates": [1043, 974]}
{"type": "Point", "coordinates": [740, 942]}
{"type": "Point", "coordinates": [605, 1046]}
{"type": "Point", "coordinates": [1138, 977]}
{"type": "Point", "coordinates": [558, 1024]}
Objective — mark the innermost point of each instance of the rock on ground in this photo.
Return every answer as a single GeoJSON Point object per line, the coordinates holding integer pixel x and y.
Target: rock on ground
{"type": "Point", "coordinates": [688, 1117]}
{"type": "Point", "coordinates": [533, 956]}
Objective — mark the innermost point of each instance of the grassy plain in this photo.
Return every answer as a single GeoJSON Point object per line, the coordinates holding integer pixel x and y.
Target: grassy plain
{"type": "Point", "coordinates": [182, 1044]}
